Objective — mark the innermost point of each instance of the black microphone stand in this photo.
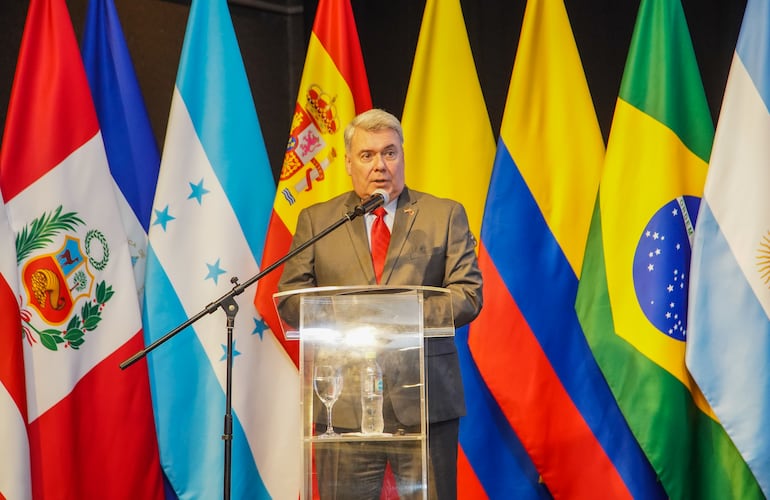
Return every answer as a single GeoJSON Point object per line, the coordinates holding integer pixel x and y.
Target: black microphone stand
{"type": "Point", "coordinates": [228, 304]}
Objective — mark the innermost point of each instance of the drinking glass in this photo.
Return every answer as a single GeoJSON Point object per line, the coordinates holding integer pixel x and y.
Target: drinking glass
{"type": "Point", "coordinates": [327, 382]}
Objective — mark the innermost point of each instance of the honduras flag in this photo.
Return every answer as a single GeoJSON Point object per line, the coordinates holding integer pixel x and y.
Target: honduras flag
{"type": "Point", "coordinates": [728, 344]}
{"type": "Point", "coordinates": [210, 214]}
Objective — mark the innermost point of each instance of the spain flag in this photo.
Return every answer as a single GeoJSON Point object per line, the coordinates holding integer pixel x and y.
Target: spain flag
{"type": "Point", "coordinates": [333, 89]}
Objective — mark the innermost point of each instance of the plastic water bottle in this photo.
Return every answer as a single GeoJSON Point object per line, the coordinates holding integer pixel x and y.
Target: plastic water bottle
{"type": "Point", "coordinates": [371, 396]}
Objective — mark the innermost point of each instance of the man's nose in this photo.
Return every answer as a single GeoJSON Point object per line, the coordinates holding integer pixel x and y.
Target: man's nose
{"type": "Point", "coordinates": [379, 161]}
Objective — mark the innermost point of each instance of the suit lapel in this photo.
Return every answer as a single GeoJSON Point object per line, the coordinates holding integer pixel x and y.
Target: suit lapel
{"type": "Point", "coordinates": [359, 239]}
{"type": "Point", "coordinates": [406, 213]}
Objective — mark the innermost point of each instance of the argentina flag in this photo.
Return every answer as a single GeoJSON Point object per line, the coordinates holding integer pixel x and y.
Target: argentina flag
{"type": "Point", "coordinates": [728, 341]}
{"type": "Point", "coordinates": [212, 204]}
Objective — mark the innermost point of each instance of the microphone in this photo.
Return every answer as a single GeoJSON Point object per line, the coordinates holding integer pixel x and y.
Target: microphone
{"type": "Point", "coordinates": [377, 199]}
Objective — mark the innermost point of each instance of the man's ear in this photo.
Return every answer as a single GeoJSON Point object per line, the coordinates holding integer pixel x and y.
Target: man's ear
{"type": "Point", "coordinates": [348, 166]}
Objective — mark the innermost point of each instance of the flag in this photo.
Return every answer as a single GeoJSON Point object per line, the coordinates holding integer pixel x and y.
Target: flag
{"type": "Point", "coordinates": [128, 138]}
{"type": "Point", "coordinates": [448, 138]}
{"type": "Point", "coordinates": [728, 352]}
{"type": "Point", "coordinates": [14, 465]}
{"type": "Point", "coordinates": [91, 432]}
{"type": "Point", "coordinates": [491, 462]}
{"type": "Point", "coordinates": [210, 215]}
{"type": "Point", "coordinates": [332, 91]}
{"type": "Point", "coordinates": [632, 295]}
{"type": "Point", "coordinates": [449, 148]}
{"type": "Point", "coordinates": [533, 359]}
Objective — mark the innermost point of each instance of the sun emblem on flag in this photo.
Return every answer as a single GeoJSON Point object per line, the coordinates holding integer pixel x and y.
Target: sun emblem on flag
{"type": "Point", "coordinates": [763, 258]}
{"type": "Point", "coordinates": [661, 266]}
{"type": "Point", "coordinates": [57, 282]}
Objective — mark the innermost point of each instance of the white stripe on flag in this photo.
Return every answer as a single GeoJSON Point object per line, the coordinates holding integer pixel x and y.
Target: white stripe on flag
{"type": "Point", "coordinates": [120, 317]}
{"type": "Point", "coordinates": [200, 242]}
{"type": "Point", "coordinates": [728, 345]}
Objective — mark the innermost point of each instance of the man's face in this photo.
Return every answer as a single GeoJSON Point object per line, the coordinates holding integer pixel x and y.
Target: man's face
{"type": "Point", "coordinates": [376, 160]}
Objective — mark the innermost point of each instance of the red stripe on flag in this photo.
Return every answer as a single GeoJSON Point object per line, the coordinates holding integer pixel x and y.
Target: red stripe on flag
{"type": "Point", "coordinates": [49, 88]}
{"type": "Point", "coordinates": [278, 244]}
{"type": "Point", "coordinates": [468, 484]}
{"type": "Point", "coordinates": [11, 349]}
{"type": "Point", "coordinates": [77, 449]}
{"type": "Point", "coordinates": [343, 48]}
{"type": "Point", "coordinates": [533, 399]}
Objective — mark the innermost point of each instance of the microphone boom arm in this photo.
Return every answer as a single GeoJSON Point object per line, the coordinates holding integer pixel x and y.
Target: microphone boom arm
{"type": "Point", "coordinates": [238, 289]}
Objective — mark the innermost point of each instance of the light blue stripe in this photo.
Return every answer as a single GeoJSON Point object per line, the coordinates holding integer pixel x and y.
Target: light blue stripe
{"type": "Point", "coordinates": [213, 84]}
{"type": "Point", "coordinates": [728, 351]}
{"type": "Point", "coordinates": [754, 43]}
{"type": "Point", "coordinates": [188, 398]}
{"type": "Point", "coordinates": [190, 426]}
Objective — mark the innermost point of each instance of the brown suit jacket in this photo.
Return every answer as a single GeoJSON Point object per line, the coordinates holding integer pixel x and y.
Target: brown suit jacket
{"type": "Point", "coordinates": [431, 245]}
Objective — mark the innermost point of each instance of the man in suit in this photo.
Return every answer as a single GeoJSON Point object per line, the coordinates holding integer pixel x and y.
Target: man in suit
{"type": "Point", "coordinates": [430, 245]}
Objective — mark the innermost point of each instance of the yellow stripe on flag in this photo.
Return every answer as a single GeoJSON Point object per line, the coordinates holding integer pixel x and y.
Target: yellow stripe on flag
{"type": "Point", "coordinates": [316, 172]}
{"type": "Point", "coordinates": [449, 146]}
{"type": "Point", "coordinates": [560, 162]}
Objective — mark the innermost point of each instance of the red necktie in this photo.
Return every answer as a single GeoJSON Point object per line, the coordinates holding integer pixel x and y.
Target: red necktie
{"type": "Point", "coordinates": [380, 241]}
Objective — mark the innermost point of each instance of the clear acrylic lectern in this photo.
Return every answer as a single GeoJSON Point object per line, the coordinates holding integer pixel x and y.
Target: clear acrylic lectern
{"type": "Point", "coordinates": [340, 329]}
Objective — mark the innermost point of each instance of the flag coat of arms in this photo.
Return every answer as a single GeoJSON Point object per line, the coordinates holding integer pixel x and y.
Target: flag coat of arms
{"type": "Point", "coordinates": [79, 313]}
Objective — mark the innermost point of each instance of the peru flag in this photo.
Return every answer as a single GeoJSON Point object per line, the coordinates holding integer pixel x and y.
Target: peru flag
{"type": "Point", "coordinates": [91, 430]}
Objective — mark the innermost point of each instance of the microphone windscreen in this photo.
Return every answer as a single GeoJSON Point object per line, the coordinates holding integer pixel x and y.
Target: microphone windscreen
{"type": "Point", "coordinates": [384, 194]}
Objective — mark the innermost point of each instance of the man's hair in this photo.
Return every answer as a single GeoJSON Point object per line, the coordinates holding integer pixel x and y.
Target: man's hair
{"type": "Point", "coordinates": [373, 120]}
